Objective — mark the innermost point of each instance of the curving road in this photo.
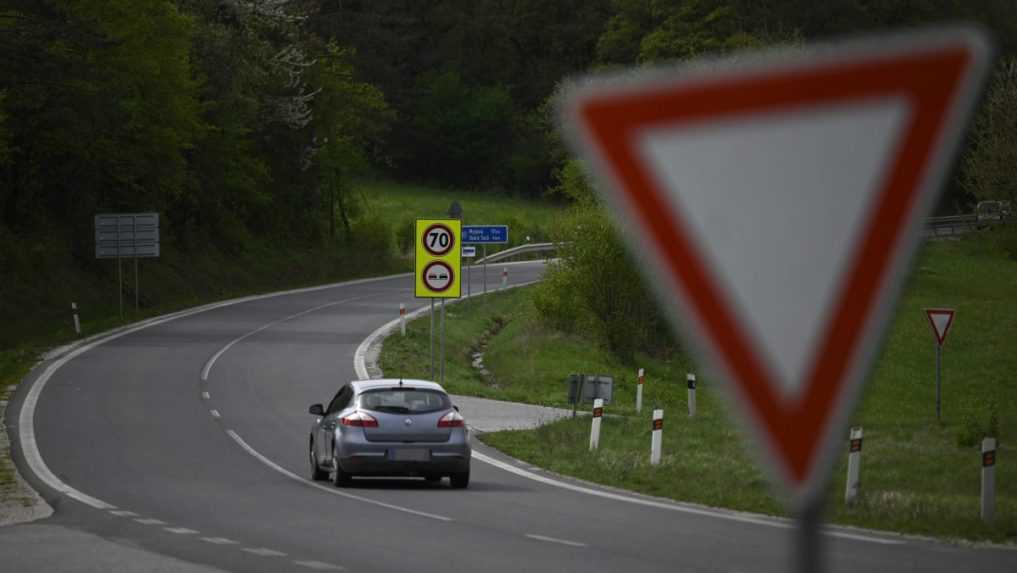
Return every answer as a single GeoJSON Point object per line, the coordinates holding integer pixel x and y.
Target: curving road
{"type": "Point", "coordinates": [187, 439]}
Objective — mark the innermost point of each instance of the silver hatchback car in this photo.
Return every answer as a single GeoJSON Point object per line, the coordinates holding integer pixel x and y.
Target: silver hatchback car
{"type": "Point", "coordinates": [390, 428]}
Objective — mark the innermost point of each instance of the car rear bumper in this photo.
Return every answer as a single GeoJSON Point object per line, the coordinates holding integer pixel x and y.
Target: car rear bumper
{"type": "Point", "coordinates": [360, 457]}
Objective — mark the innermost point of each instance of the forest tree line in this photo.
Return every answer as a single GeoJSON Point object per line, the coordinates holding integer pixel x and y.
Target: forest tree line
{"type": "Point", "coordinates": [244, 120]}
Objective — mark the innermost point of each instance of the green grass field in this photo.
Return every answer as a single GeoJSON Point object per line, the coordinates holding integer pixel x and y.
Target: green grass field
{"type": "Point", "coordinates": [918, 475]}
{"type": "Point", "coordinates": [398, 203]}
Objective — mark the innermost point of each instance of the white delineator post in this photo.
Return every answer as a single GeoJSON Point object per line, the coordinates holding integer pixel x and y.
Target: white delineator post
{"type": "Point", "coordinates": [402, 318]}
{"type": "Point", "coordinates": [988, 479]}
{"type": "Point", "coordinates": [598, 413]}
{"type": "Point", "coordinates": [77, 322]}
{"type": "Point", "coordinates": [690, 378]}
{"type": "Point", "coordinates": [639, 390]}
{"type": "Point", "coordinates": [854, 466]}
{"type": "Point", "coordinates": [656, 436]}
{"type": "Point", "coordinates": [504, 277]}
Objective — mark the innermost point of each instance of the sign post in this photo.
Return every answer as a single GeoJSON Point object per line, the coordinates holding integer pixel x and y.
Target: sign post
{"type": "Point", "coordinates": [119, 235]}
{"type": "Point", "coordinates": [437, 272]}
{"type": "Point", "coordinates": [775, 203]}
{"type": "Point", "coordinates": [485, 235]}
{"type": "Point", "coordinates": [940, 319]}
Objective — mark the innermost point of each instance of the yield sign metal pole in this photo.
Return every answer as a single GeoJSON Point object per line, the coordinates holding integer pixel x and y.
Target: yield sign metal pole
{"type": "Point", "coordinates": [808, 548]}
{"type": "Point", "coordinates": [939, 392]}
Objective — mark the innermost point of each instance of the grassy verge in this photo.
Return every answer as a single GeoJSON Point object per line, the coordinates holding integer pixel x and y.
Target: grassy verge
{"type": "Point", "coordinates": [918, 475]}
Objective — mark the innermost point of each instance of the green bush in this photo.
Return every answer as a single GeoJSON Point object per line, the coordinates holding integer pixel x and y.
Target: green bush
{"type": "Point", "coordinates": [980, 422]}
{"type": "Point", "coordinates": [371, 235]}
{"type": "Point", "coordinates": [597, 287]}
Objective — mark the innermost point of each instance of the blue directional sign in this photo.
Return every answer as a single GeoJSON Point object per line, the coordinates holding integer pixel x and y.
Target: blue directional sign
{"type": "Point", "coordinates": [485, 234]}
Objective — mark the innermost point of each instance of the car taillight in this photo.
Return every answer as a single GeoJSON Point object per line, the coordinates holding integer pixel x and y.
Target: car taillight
{"type": "Point", "coordinates": [451, 420]}
{"type": "Point", "coordinates": [359, 420]}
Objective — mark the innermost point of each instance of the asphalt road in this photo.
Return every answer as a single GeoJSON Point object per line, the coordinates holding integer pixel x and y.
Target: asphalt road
{"type": "Point", "coordinates": [211, 471]}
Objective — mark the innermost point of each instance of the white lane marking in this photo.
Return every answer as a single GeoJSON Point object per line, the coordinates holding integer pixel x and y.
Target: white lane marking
{"type": "Point", "coordinates": [236, 438]}
{"type": "Point", "coordinates": [219, 541]}
{"type": "Point", "coordinates": [150, 521]}
{"type": "Point", "coordinates": [264, 552]}
{"type": "Point", "coordinates": [555, 540]}
{"type": "Point", "coordinates": [215, 413]}
{"type": "Point", "coordinates": [211, 361]}
{"type": "Point", "coordinates": [360, 356]}
{"type": "Point", "coordinates": [26, 418]}
{"type": "Point", "coordinates": [124, 513]}
{"type": "Point", "coordinates": [205, 396]}
{"type": "Point", "coordinates": [732, 516]}
{"type": "Point", "coordinates": [866, 538]}
{"type": "Point", "coordinates": [319, 565]}
{"type": "Point", "coordinates": [181, 530]}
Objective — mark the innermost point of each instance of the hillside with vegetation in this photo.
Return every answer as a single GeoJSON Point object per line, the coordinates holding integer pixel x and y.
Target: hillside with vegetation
{"type": "Point", "coordinates": [259, 130]}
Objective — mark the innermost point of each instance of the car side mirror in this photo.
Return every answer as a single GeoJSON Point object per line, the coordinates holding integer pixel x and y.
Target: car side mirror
{"type": "Point", "coordinates": [317, 410]}
{"type": "Point", "coordinates": [454, 407]}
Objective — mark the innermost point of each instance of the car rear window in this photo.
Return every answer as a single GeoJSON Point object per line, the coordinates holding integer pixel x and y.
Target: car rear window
{"type": "Point", "coordinates": [404, 401]}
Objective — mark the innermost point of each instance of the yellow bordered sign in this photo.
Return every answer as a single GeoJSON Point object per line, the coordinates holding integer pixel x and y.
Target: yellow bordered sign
{"type": "Point", "coordinates": [438, 258]}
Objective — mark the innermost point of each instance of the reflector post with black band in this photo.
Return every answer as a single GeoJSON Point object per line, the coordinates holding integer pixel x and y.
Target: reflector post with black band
{"type": "Point", "coordinates": [988, 479]}
{"type": "Point", "coordinates": [690, 379]}
{"type": "Point", "coordinates": [854, 466]}
{"type": "Point", "coordinates": [656, 436]}
{"type": "Point", "coordinates": [639, 389]}
{"type": "Point", "coordinates": [598, 414]}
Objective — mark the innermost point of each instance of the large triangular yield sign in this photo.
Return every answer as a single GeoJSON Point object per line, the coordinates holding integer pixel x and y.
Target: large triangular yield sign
{"type": "Point", "coordinates": [776, 202]}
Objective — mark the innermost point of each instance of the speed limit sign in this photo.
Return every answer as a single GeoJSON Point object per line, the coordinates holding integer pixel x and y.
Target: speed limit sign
{"type": "Point", "coordinates": [439, 239]}
{"type": "Point", "coordinates": [438, 257]}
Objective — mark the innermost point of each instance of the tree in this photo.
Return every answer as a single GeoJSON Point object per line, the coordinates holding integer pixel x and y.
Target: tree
{"type": "Point", "coordinates": [350, 119]}
{"type": "Point", "coordinates": [990, 165]}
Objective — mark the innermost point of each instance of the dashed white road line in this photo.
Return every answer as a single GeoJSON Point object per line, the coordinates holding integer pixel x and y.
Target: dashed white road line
{"type": "Point", "coordinates": [205, 396]}
{"type": "Point", "coordinates": [181, 530]}
{"type": "Point", "coordinates": [319, 565]}
{"type": "Point", "coordinates": [264, 552]}
{"type": "Point", "coordinates": [215, 413]}
{"type": "Point", "coordinates": [240, 441]}
{"type": "Point", "coordinates": [219, 541]}
{"type": "Point", "coordinates": [124, 513]}
{"type": "Point", "coordinates": [555, 540]}
{"type": "Point", "coordinates": [211, 361]}
{"type": "Point", "coordinates": [150, 521]}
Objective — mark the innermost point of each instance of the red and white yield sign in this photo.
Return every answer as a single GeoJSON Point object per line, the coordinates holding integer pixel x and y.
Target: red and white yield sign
{"type": "Point", "coordinates": [940, 319]}
{"type": "Point", "coordinates": [776, 201]}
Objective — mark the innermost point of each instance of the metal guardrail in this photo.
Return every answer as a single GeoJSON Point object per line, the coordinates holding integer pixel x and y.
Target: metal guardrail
{"type": "Point", "coordinates": [957, 224]}
{"type": "Point", "coordinates": [516, 251]}
{"type": "Point", "coordinates": [951, 225]}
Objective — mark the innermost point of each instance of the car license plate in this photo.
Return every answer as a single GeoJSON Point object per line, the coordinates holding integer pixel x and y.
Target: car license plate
{"type": "Point", "coordinates": [411, 455]}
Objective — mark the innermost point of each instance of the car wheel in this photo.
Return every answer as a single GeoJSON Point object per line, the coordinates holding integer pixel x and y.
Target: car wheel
{"type": "Point", "coordinates": [339, 477]}
{"type": "Point", "coordinates": [317, 474]}
{"type": "Point", "coordinates": [460, 480]}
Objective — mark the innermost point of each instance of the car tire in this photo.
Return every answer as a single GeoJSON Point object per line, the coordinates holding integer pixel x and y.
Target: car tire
{"type": "Point", "coordinates": [339, 477]}
{"type": "Point", "coordinates": [317, 474]}
{"type": "Point", "coordinates": [460, 480]}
